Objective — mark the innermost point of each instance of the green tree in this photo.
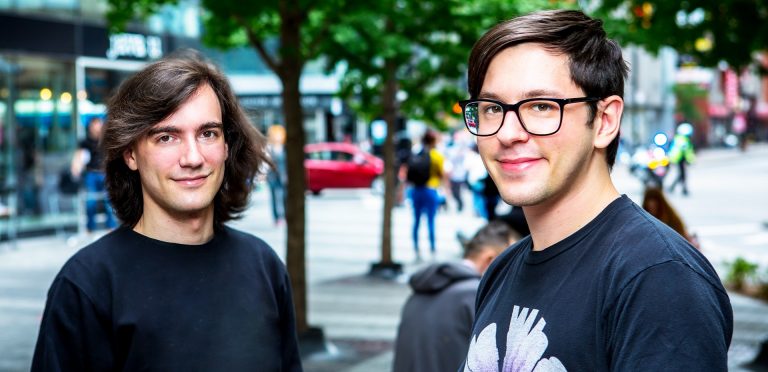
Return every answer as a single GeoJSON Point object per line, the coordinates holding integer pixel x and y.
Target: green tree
{"type": "Point", "coordinates": [687, 95]}
{"type": "Point", "coordinates": [711, 31]}
{"type": "Point", "coordinates": [296, 26]}
{"type": "Point", "coordinates": [408, 58]}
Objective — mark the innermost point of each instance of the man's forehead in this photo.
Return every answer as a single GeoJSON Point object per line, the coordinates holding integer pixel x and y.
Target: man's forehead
{"type": "Point", "coordinates": [527, 70]}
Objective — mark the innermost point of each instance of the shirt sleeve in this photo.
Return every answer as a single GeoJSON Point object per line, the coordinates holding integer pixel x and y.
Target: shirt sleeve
{"type": "Point", "coordinates": [670, 318]}
{"type": "Point", "coordinates": [290, 354]}
{"type": "Point", "coordinates": [72, 337]}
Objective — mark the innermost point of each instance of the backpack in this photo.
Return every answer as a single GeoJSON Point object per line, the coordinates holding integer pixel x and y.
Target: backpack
{"type": "Point", "coordinates": [418, 168]}
{"type": "Point", "coordinates": [68, 184]}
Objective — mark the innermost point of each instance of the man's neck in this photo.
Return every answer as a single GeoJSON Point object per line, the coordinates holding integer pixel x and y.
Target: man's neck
{"type": "Point", "coordinates": [563, 215]}
{"type": "Point", "coordinates": [190, 230]}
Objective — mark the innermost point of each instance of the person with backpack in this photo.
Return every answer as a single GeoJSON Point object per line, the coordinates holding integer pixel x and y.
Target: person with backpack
{"type": "Point", "coordinates": [425, 175]}
{"type": "Point", "coordinates": [87, 168]}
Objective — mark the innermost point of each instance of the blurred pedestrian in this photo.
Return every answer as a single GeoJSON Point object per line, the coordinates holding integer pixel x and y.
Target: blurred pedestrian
{"type": "Point", "coordinates": [457, 171]}
{"type": "Point", "coordinates": [598, 285]}
{"type": "Point", "coordinates": [476, 178]}
{"type": "Point", "coordinates": [491, 197]}
{"type": "Point", "coordinates": [277, 176]}
{"type": "Point", "coordinates": [655, 203]}
{"type": "Point", "coordinates": [681, 153]}
{"type": "Point", "coordinates": [425, 173]}
{"type": "Point", "coordinates": [403, 148]}
{"type": "Point", "coordinates": [739, 127]}
{"type": "Point", "coordinates": [87, 166]}
{"type": "Point", "coordinates": [485, 195]}
{"type": "Point", "coordinates": [174, 288]}
{"type": "Point", "coordinates": [436, 321]}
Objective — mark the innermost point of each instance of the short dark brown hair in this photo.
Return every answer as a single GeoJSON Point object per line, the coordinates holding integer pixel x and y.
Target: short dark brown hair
{"type": "Point", "coordinates": [596, 63]}
{"type": "Point", "coordinates": [495, 234]}
{"type": "Point", "coordinates": [153, 94]}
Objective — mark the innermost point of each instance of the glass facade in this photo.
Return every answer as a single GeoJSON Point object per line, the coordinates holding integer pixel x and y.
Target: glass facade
{"type": "Point", "coordinates": [37, 102]}
{"type": "Point", "coordinates": [181, 19]}
{"type": "Point", "coordinates": [62, 65]}
{"type": "Point", "coordinates": [56, 73]}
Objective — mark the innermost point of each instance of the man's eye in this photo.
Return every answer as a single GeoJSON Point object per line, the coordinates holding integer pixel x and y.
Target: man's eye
{"type": "Point", "coordinates": [492, 109]}
{"type": "Point", "coordinates": [209, 134]}
{"type": "Point", "coordinates": [542, 106]}
{"type": "Point", "coordinates": [164, 139]}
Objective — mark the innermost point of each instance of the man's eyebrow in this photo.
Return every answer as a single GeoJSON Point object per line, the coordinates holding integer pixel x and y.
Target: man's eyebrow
{"type": "Point", "coordinates": [174, 129]}
{"type": "Point", "coordinates": [211, 125]}
{"type": "Point", "coordinates": [164, 129]}
{"type": "Point", "coordinates": [489, 95]}
{"type": "Point", "coordinates": [541, 93]}
{"type": "Point", "coordinates": [536, 93]}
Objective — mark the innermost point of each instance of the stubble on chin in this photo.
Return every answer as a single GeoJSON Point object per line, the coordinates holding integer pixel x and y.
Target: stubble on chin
{"type": "Point", "coordinates": [520, 193]}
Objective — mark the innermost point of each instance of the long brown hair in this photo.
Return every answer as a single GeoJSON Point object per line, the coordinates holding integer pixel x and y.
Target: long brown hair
{"type": "Point", "coordinates": [155, 93]}
{"type": "Point", "coordinates": [655, 203]}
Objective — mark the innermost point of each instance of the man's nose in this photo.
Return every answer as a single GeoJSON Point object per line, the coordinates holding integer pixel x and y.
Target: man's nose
{"type": "Point", "coordinates": [191, 155]}
{"type": "Point", "coordinates": [512, 129]}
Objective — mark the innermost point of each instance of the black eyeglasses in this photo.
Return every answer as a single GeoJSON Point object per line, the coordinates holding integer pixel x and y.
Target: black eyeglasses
{"type": "Point", "coordinates": [538, 116]}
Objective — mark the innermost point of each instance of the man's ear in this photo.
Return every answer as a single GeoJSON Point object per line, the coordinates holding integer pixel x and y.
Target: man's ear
{"type": "Point", "coordinates": [129, 159]}
{"type": "Point", "coordinates": [608, 120]}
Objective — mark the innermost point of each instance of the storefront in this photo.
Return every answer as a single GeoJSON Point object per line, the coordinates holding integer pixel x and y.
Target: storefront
{"type": "Point", "coordinates": [54, 76]}
{"type": "Point", "coordinates": [326, 118]}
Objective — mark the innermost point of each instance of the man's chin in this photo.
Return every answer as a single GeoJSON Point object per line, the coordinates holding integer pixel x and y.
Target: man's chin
{"type": "Point", "coordinates": [519, 199]}
{"type": "Point", "coordinates": [193, 207]}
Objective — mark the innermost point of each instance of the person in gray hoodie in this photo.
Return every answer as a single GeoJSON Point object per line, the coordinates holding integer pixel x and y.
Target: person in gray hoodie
{"type": "Point", "coordinates": [436, 321]}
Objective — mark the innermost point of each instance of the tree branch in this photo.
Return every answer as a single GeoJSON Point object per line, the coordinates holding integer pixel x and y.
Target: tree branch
{"type": "Point", "coordinates": [257, 44]}
{"type": "Point", "coordinates": [314, 49]}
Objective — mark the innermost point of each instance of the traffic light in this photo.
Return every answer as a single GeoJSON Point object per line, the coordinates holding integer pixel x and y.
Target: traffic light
{"type": "Point", "coordinates": [643, 12]}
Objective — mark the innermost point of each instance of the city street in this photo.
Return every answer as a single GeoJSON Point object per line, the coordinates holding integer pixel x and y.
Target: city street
{"type": "Point", "coordinates": [727, 208]}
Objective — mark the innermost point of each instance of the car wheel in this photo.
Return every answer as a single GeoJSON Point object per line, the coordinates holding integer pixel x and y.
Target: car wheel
{"type": "Point", "coordinates": [377, 185]}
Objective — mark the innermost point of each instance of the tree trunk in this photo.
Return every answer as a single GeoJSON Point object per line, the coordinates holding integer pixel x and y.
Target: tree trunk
{"type": "Point", "coordinates": [391, 109]}
{"type": "Point", "coordinates": [290, 72]}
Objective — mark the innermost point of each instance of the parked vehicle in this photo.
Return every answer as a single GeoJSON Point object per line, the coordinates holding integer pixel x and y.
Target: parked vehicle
{"type": "Point", "coordinates": [332, 165]}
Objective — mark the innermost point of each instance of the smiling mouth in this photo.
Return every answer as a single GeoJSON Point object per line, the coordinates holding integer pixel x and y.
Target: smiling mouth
{"type": "Point", "coordinates": [518, 164]}
{"type": "Point", "coordinates": [191, 181]}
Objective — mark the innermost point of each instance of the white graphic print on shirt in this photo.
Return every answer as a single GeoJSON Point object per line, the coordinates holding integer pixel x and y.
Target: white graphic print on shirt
{"type": "Point", "coordinates": [526, 343]}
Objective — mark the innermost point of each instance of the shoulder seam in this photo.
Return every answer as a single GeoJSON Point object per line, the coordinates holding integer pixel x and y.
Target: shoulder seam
{"type": "Point", "coordinates": [676, 261]}
{"type": "Point", "coordinates": [81, 290]}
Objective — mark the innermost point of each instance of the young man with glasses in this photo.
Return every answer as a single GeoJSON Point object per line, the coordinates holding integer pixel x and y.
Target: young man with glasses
{"type": "Point", "coordinates": [599, 284]}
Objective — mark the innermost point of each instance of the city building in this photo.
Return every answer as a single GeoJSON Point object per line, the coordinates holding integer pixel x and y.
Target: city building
{"type": "Point", "coordinates": [59, 64]}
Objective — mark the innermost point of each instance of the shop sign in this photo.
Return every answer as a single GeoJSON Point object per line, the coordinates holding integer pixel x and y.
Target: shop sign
{"type": "Point", "coordinates": [128, 45]}
{"type": "Point", "coordinates": [309, 102]}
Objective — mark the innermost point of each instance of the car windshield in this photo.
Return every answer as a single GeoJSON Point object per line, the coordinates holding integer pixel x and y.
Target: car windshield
{"type": "Point", "coordinates": [330, 155]}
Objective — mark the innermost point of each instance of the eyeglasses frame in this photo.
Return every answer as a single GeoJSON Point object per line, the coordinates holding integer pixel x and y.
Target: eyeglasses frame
{"type": "Point", "coordinates": [506, 108]}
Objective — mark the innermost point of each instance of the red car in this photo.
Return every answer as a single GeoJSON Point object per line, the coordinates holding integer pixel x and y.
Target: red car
{"type": "Point", "coordinates": [333, 165]}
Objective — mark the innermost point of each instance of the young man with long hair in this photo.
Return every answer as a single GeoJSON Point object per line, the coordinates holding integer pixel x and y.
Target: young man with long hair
{"type": "Point", "coordinates": [174, 288]}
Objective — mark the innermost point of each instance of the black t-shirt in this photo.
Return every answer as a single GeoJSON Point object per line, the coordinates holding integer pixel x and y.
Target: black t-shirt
{"type": "Point", "coordinates": [624, 293]}
{"type": "Point", "coordinates": [96, 157]}
{"type": "Point", "coordinates": [131, 303]}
